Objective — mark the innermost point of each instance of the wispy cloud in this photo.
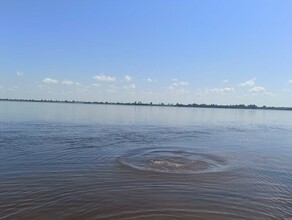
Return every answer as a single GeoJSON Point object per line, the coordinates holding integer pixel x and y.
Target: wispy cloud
{"type": "Point", "coordinates": [104, 78]}
{"type": "Point", "coordinates": [128, 78]}
{"type": "Point", "coordinates": [223, 90]}
{"type": "Point", "coordinates": [174, 89]}
{"type": "Point", "coordinates": [290, 81]}
{"type": "Point", "coordinates": [183, 83]}
{"type": "Point", "coordinates": [130, 87]}
{"type": "Point", "coordinates": [68, 82]}
{"type": "Point", "coordinates": [149, 80]}
{"type": "Point", "coordinates": [19, 73]}
{"type": "Point", "coordinates": [225, 81]}
{"type": "Point", "coordinates": [50, 81]}
{"type": "Point", "coordinates": [259, 90]}
{"type": "Point", "coordinates": [176, 83]}
{"type": "Point", "coordinates": [248, 83]}
{"type": "Point", "coordinates": [182, 91]}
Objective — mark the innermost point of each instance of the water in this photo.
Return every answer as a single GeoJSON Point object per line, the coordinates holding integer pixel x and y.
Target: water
{"type": "Point", "coordinates": [73, 161]}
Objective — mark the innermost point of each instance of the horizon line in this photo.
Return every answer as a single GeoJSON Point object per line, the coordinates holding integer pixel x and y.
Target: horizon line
{"type": "Point", "coordinates": [139, 103]}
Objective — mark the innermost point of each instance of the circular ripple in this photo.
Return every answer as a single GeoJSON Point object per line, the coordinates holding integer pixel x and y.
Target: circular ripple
{"type": "Point", "coordinates": [173, 162]}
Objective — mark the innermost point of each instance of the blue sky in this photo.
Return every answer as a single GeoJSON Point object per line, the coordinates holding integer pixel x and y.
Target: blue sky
{"type": "Point", "coordinates": [209, 51]}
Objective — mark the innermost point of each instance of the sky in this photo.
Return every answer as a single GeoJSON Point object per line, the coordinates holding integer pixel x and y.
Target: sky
{"type": "Point", "coordinates": [170, 51]}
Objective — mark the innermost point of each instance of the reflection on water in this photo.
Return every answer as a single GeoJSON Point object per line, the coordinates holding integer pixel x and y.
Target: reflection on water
{"type": "Point", "coordinates": [72, 161]}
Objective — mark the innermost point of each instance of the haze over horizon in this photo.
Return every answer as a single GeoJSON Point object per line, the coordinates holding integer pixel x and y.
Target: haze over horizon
{"type": "Point", "coordinates": [222, 52]}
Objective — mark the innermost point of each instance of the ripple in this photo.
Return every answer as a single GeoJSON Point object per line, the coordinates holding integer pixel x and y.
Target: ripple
{"type": "Point", "coordinates": [182, 214]}
{"type": "Point", "coordinates": [173, 162]}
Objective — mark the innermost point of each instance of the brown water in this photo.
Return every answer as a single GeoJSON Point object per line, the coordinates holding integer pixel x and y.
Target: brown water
{"type": "Point", "coordinates": [71, 161]}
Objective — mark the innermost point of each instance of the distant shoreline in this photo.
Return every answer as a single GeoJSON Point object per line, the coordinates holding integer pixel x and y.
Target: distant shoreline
{"type": "Point", "coordinates": [241, 106]}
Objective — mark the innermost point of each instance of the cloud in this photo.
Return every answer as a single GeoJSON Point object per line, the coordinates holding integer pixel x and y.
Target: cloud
{"type": "Point", "coordinates": [182, 91]}
{"type": "Point", "coordinates": [50, 81]}
{"type": "Point", "coordinates": [19, 74]}
{"type": "Point", "coordinates": [149, 80]}
{"type": "Point", "coordinates": [226, 81]}
{"type": "Point", "coordinates": [290, 81]}
{"type": "Point", "coordinates": [258, 89]}
{"type": "Point", "coordinates": [248, 83]}
{"type": "Point", "coordinates": [183, 83]}
{"type": "Point", "coordinates": [105, 78]}
{"type": "Point", "coordinates": [178, 90]}
{"type": "Point", "coordinates": [130, 87]}
{"type": "Point", "coordinates": [223, 90]}
{"type": "Point", "coordinates": [176, 82]}
{"type": "Point", "coordinates": [68, 82]}
{"type": "Point", "coordinates": [128, 78]}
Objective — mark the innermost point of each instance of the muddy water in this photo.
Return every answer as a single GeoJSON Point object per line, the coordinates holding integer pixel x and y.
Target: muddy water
{"type": "Point", "coordinates": [64, 161]}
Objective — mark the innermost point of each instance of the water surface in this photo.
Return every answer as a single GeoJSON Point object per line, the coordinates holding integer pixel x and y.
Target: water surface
{"type": "Point", "coordinates": [77, 161]}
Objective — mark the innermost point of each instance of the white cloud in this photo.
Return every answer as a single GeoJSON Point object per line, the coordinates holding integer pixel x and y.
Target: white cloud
{"type": "Point", "coordinates": [132, 86]}
{"type": "Point", "coordinates": [175, 89]}
{"type": "Point", "coordinates": [183, 83]}
{"type": "Point", "coordinates": [19, 74]}
{"type": "Point", "coordinates": [49, 81]}
{"type": "Point", "coordinates": [182, 91]}
{"type": "Point", "coordinates": [223, 90]}
{"type": "Point", "coordinates": [149, 80]}
{"type": "Point", "coordinates": [226, 81]}
{"type": "Point", "coordinates": [290, 81]}
{"type": "Point", "coordinates": [67, 82]}
{"type": "Point", "coordinates": [258, 89]}
{"type": "Point", "coordinates": [104, 78]}
{"type": "Point", "coordinates": [174, 80]}
{"type": "Point", "coordinates": [248, 83]}
{"type": "Point", "coordinates": [128, 78]}
{"type": "Point", "coordinates": [178, 83]}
